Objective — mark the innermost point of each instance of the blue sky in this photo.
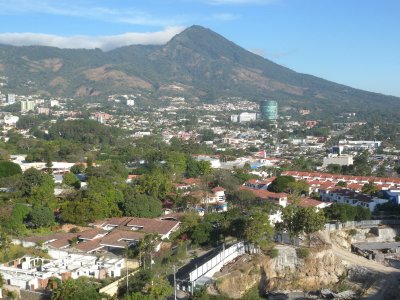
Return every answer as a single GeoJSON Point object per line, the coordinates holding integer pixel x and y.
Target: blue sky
{"type": "Point", "coordinates": [354, 42]}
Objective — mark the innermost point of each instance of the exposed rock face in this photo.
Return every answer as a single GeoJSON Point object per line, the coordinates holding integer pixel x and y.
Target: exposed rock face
{"type": "Point", "coordinates": [285, 272]}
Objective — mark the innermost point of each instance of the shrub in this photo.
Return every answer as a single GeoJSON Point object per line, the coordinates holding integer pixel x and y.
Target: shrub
{"type": "Point", "coordinates": [302, 253]}
{"type": "Point", "coordinates": [352, 232]}
{"type": "Point", "coordinates": [273, 253]}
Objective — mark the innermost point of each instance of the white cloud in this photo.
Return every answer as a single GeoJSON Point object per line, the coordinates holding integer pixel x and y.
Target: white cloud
{"type": "Point", "coordinates": [91, 42]}
{"type": "Point", "coordinates": [225, 17]}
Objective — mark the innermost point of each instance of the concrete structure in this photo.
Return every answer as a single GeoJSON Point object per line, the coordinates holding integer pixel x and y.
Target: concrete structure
{"type": "Point", "coordinates": [360, 145]}
{"type": "Point", "coordinates": [201, 269]}
{"type": "Point", "coordinates": [269, 110]}
{"type": "Point", "coordinates": [244, 117]}
{"type": "Point", "coordinates": [345, 196]}
{"type": "Point", "coordinates": [130, 102]}
{"type": "Point", "coordinates": [215, 162]}
{"type": "Point", "coordinates": [333, 159]}
{"type": "Point", "coordinates": [11, 98]}
{"type": "Point", "coordinates": [31, 273]}
{"type": "Point", "coordinates": [27, 105]}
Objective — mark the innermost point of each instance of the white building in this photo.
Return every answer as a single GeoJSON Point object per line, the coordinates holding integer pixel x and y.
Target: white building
{"type": "Point", "coordinates": [334, 159]}
{"type": "Point", "coordinates": [31, 273]}
{"type": "Point", "coordinates": [215, 162]}
{"type": "Point", "coordinates": [244, 117]}
{"type": "Point", "coordinates": [27, 105]}
{"type": "Point", "coordinates": [54, 103]}
{"type": "Point", "coordinates": [130, 102]}
{"type": "Point", "coordinates": [11, 98]}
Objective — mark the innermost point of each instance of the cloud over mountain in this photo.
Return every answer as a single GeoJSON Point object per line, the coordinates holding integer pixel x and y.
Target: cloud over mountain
{"type": "Point", "coordinates": [90, 42]}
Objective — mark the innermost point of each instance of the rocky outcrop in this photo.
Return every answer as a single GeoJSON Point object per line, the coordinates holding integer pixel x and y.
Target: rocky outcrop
{"type": "Point", "coordinates": [285, 272]}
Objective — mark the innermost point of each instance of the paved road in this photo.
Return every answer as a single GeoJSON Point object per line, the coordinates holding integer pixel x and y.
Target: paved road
{"type": "Point", "coordinates": [387, 288]}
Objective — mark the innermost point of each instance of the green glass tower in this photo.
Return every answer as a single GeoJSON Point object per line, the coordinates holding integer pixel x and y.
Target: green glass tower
{"type": "Point", "coordinates": [269, 110]}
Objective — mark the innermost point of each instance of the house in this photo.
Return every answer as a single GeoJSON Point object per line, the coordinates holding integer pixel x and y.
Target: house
{"type": "Point", "coordinates": [277, 198]}
{"type": "Point", "coordinates": [32, 273]}
{"type": "Point", "coordinates": [346, 196]}
{"type": "Point", "coordinates": [212, 202]}
{"type": "Point", "coordinates": [259, 184]}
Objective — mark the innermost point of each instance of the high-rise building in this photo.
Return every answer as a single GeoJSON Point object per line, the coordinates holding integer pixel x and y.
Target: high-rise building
{"type": "Point", "coordinates": [27, 105]}
{"type": "Point", "coordinates": [269, 110]}
{"type": "Point", "coordinates": [11, 98]}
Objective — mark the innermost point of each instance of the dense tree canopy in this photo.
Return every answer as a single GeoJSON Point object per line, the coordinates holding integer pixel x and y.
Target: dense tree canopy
{"type": "Point", "coordinates": [8, 169]}
{"type": "Point", "coordinates": [280, 184]}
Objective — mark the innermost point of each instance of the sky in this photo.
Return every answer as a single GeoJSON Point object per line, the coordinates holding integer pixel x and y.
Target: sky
{"type": "Point", "coordinates": [353, 42]}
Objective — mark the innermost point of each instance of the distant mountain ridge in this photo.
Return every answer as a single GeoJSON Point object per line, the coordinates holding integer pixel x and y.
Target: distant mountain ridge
{"type": "Point", "coordinates": [197, 62]}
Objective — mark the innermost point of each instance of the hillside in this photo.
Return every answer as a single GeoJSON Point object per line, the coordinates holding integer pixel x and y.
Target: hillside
{"type": "Point", "coordinates": [196, 62]}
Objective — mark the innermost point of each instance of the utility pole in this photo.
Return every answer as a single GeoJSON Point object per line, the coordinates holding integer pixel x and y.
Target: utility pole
{"type": "Point", "coordinates": [127, 277]}
{"type": "Point", "coordinates": [174, 282]}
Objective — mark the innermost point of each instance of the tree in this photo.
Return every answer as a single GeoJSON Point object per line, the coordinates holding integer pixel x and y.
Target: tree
{"type": "Point", "coordinates": [370, 188]}
{"type": "Point", "coordinates": [258, 230]}
{"type": "Point", "coordinates": [37, 187]}
{"type": "Point", "coordinates": [15, 222]}
{"type": "Point", "coordinates": [280, 184]}
{"type": "Point", "coordinates": [71, 180]}
{"type": "Point", "coordinates": [334, 168]}
{"type": "Point", "coordinates": [176, 162]}
{"type": "Point", "coordinates": [361, 164]}
{"type": "Point", "coordinates": [141, 205]}
{"type": "Point", "coordinates": [313, 220]}
{"type": "Point", "coordinates": [77, 169]}
{"type": "Point", "coordinates": [298, 188]}
{"type": "Point", "coordinates": [137, 282]}
{"type": "Point", "coordinates": [243, 198]}
{"type": "Point", "coordinates": [342, 184]}
{"type": "Point", "coordinates": [201, 233]}
{"type": "Point", "coordinates": [160, 289]}
{"type": "Point", "coordinates": [105, 195]}
{"type": "Point", "coordinates": [157, 184]}
{"type": "Point", "coordinates": [41, 216]}
{"type": "Point", "coordinates": [82, 288]}
{"type": "Point", "coordinates": [8, 169]}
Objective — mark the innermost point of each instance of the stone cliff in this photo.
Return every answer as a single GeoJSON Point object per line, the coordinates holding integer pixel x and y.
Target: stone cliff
{"type": "Point", "coordinates": [284, 272]}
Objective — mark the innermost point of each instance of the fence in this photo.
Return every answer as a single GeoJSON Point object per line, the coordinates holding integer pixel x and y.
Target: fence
{"type": "Point", "coordinates": [217, 262]}
{"type": "Point", "coordinates": [352, 224]}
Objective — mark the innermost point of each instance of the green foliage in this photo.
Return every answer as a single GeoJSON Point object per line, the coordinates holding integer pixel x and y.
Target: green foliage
{"type": "Point", "coordinates": [41, 216]}
{"type": "Point", "coordinates": [273, 253]}
{"type": "Point", "coordinates": [71, 180]}
{"type": "Point", "coordinates": [334, 168]}
{"type": "Point", "coordinates": [342, 184]}
{"type": "Point", "coordinates": [258, 230]}
{"type": "Point", "coordinates": [297, 220]}
{"type": "Point", "coordinates": [346, 212]}
{"type": "Point", "coordinates": [14, 223]}
{"type": "Point", "coordinates": [176, 162]}
{"type": "Point", "coordinates": [141, 205]}
{"type": "Point", "coordinates": [369, 188]}
{"type": "Point", "coordinates": [84, 131]}
{"type": "Point", "coordinates": [160, 288]}
{"type": "Point", "coordinates": [8, 169]}
{"type": "Point", "coordinates": [137, 282]}
{"type": "Point", "coordinates": [82, 288]}
{"type": "Point", "coordinates": [280, 184]}
{"type": "Point", "coordinates": [77, 169]}
{"type": "Point", "coordinates": [302, 253]}
{"type": "Point", "coordinates": [298, 187]}
{"type": "Point", "coordinates": [352, 232]}
{"type": "Point", "coordinates": [156, 184]}
{"type": "Point", "coordinates": [196, 168]}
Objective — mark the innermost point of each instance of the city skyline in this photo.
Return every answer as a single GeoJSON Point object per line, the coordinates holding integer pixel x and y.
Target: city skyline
{"type": "Point", "coordinates": [349, 42]}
